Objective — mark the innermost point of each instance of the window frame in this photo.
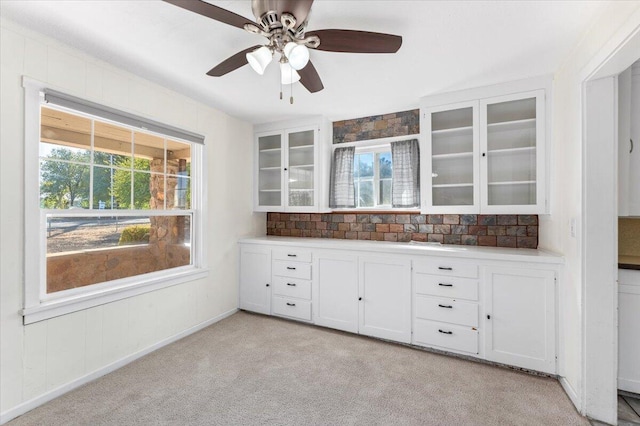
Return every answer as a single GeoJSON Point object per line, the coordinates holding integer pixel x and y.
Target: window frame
{"type": "Point", "coordinates": [375, 145]}
{"type": "Point", "coordinates": [376, 151]}
{"type": "Point", "coordinates": [38, 305]}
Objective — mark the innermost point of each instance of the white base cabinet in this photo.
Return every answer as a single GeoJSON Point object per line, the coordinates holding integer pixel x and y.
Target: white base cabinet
{"type": "Point", "coordinates": [255, 279]}
{"type": "Point", "coordinates": [385, 298]}
{"type": "Point", "coordinates": [336, 290]}
{"type": "Point", "coordinates": [489, 304]}
{"type": "Point", "coordinates": [519, 307]}
{"type": "Point", "coordinates": [629, 330]}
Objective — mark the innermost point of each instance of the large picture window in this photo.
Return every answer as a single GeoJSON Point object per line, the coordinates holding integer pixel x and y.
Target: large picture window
{"type": "Point", "coordinates": [372, 178]}
{"type": "Point", "coordinates": [118, 205]}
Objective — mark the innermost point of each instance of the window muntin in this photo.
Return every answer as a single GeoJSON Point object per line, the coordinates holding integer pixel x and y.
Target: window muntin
{"type": "Point", "coordinates": [98, 177]}
{"type": "Point", "coordinates": [372, 178]}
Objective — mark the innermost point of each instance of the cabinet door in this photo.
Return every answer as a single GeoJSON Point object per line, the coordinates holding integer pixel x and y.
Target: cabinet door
{"type": "Point", "coordinates": [269, 181]}
{"type": "Point", "coordinates": [512, 133]}
{"type": "Point", "coordinates": [301, 170]}
{"type": "Point", "coordinates": [385, 292]}
{"type": "Point", "coordinates": [634, 155]}
{"type": "Point", "coordinates": [451, 159]}
{"type": "Point", "coordinates": [335, 291]}
{"type": "Point", "coordinates": [629, 330]}
{"type": "Point", "coordinates": [624, 141]}
{"type": "Point", "coordinates": [255, 279]}
{"type": "Point", "coordinates": [520, 317]}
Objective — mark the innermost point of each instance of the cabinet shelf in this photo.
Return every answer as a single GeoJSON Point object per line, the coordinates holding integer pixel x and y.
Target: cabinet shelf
{"type": "Point", "coordinates": [270, 190]}
{"type": "Point", "coordinates": [453, 131]}
{"type": "Point", "coordinates": [302, 166]}
{"type": "Point", "coordinates": [301, 147]}
{"type": "Point", "coordinates": [513, 124]}
{"type": "Point", "coordinates": [454, 155]}
{"type": "Point", "coordinates": [514, 182]}
{"type": "Point", "coordinates": [270, 168]}
{"type": "Point", "coordinates": [452, 185]}
{"type": "Point", "coordinates": [512, 150]}
{"type": "Point", "coordinates": [270, 150]}
{"type": "Point", "coordinates": [300, 190]}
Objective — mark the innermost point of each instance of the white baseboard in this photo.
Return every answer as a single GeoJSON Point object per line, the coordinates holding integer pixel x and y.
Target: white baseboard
{"type": "Point", "coordinates": [629, 385]}
{"type": "Point", "coordinates": [573, 395]}
{"type": "Point", "coordinates": [54, 393]}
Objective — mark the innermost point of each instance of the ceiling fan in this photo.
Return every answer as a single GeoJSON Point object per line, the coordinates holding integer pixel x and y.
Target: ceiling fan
{"type": "Point", "coordinates": [284, 23]}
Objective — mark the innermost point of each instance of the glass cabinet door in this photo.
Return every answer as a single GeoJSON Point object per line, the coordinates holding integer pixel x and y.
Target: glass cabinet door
{"type": "Point", "coordinates": [270, 170]}
{"type": "Point", "coordinates": [512, 131]}
{"type": "Point", "coordinates": [301, 168]}
{"type": "Point", "coordinates": [453, 137]}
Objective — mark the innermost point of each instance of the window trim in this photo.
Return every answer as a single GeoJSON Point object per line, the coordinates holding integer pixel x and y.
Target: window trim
{"type": "Point", "coordinates": [37, 308]}
{"type": "Point", "coordinates": [375, 145]}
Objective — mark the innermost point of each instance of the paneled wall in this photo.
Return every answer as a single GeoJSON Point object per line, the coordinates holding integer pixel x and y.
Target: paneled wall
{"type": "Point", "coordinates": [45, 356]}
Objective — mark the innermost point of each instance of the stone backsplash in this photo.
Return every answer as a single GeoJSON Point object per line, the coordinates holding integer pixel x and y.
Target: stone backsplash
{"type": "Point", "coordinates": [465, 229]}
{"type": "Point", "coordinates": [377, 126]}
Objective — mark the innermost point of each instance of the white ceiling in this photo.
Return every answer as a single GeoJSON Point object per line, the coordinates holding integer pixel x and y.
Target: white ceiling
{"type": "Point", "coordinates": [447, 45]}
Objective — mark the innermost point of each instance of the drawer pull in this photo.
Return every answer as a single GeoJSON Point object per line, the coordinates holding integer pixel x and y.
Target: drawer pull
{"type": "Point", "coordinates": [291, 284]}
{"type": "Point", "coordinates": [292, 255]}
{"type": "Point", "coordinates": [445, 332]}
{"type": "Point", "coordinates": [291, 304]}
{"type": "Point", "coordinates": [445, 268]}
{"type": "Point", "coordinates": [445, 285]}
{"type": "Point", "coordinates": [291, 268]}
{"type": "Point", "coordinates": [445, 306]}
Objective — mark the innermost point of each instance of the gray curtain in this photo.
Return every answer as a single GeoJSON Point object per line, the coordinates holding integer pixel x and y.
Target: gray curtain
{"type": "Point", "coordinates": [405, 187]}
{"type": "Point", "coordinates": [341, 189]}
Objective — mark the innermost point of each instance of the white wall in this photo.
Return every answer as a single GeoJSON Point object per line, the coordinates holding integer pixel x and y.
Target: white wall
{"type": "Point", "coordinates": [566, 191]}
{"type": "Point", "coordinates": [41, 357]}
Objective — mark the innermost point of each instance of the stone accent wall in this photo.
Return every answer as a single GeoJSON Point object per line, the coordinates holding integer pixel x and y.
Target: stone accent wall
{"type": "Point", "coordinates": [469, 229]}
{"type": "Point", "coordinates": [80, 268]}
{"type": "Point", "coordinates": [377, 126]}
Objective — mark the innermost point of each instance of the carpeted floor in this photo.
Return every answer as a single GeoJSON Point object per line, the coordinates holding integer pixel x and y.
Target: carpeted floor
{"type": "Point", "coordinates": [250, 369]}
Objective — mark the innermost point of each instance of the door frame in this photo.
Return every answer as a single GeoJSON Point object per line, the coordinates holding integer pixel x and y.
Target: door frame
{"type": "Point", "coordinates": [599, 218]}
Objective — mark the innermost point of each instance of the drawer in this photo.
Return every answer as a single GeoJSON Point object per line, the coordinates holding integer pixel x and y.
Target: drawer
{"type": "Point", "coordinates": [446, 267]}
{"type": "Point", "coordinates": [445, 336]}
{"type": "Point", "coordinates": [292, 308]}
{"type": "Point", "coordinates": [292, 269]}
{"type": "Point", "coordinates": [451, 287]}
{"type": "Point", "coordinates": [294, 254]}
{"type": "Point", "coordinates": [292, 287]}
{"type": "Point", "coordinates": [446, 310]}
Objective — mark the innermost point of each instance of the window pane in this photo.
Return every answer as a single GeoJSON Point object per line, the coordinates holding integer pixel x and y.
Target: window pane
{"type": "Point", "coordinates": [90, 250]}
{"type": "Point", "coordinates": [385, 164]}
{"type": "Point", "coordinates": [112, 145]}
{"type": "Point", "coordinates": [64, 135]}
{"type": "Point", "coordinates": [148, 191]}
{"type": "Point", "coordinates": [364, 165]}
{"type": "Point", "coordinates": [178, 192]}
{"type": "Point", "coordinates": [148, 149]}
{"type": "Point", "coordinates": [365, 194]}
{"type": "Point", "coordinates": [178, 158]}
{"type": "Point", "coordinates": [63, 185]}
{"type": "Point", "coordinates": [385, 192]}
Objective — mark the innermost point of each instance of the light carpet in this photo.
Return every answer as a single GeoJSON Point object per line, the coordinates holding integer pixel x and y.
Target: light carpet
{"type": "Point", "coordinates": [250, 369]}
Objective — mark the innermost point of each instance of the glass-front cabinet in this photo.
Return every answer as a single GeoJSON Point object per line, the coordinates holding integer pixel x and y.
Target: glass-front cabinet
{"type": "Point", "coordinates": [485, 155]}
{"type": "Point", "coordinates": [287, 170]}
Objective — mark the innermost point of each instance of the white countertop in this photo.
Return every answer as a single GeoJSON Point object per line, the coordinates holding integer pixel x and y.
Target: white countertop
{"type": "Point", "coordinates": [414, 248]}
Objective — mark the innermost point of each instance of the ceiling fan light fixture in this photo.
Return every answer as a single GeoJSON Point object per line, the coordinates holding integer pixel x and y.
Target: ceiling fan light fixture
{"type": "Point", "coordinates": [287, 74]}
{"type": "Point", "coordinates": [259, 59]}
{"type": "Point", "coordinates": [297, 55]}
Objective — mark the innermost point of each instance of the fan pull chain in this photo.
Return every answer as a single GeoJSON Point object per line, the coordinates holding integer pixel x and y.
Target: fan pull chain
{"type": "Point", "coordinates": [280, 89]}
{"type": "Point", "coordinates": [291, 86]}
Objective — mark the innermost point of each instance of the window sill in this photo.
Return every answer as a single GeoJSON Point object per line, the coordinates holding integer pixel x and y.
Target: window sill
{"type": "Point", "coordinates": [118, 290]}
{"type": "Point", "coordinates": [377, 211]}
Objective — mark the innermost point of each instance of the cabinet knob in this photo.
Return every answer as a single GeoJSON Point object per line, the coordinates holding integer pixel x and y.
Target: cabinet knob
{"type": "Point", "coordinates": [291, 284]}
{"type": "Point", "coordinates": [291, 304]}
{"type": "Point", "coordinates": [267, 285]}
{"type": "Point", "coordinates": [291, 268]}
{"type": "Point", "coordinates": [484, 154]}
{"type": "Point", "coordinates": [488, 316]}
{"type": "Point", "coordinates": [445, 332]}
{"type": "Point", "coordinates": [285, 169]}
{"type": "Point", "coordinates": [359, 298]}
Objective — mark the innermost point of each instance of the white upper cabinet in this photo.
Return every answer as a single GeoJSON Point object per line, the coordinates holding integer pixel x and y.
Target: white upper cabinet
{"type": "Point", "coordinates": [452, 164]}
{"type": "Point", "coordinates": [629, 141]}
{"type": "Point", "coordinates": [512, 146]}
{"type": "Point", "coordinates": [290, 168]}
{"type": "Point", "coordinates": [485, 150]}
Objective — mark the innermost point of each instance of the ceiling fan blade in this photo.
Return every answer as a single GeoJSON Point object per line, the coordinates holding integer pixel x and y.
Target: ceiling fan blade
{"type": "Point", "coordinates": [356, 41]}
{"type": "Point", "coordinates": [214, 12]}
{"type": "Point", "coordinates": [231, 63]}
{"type": "Point", "coordinates": [310, 79]}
